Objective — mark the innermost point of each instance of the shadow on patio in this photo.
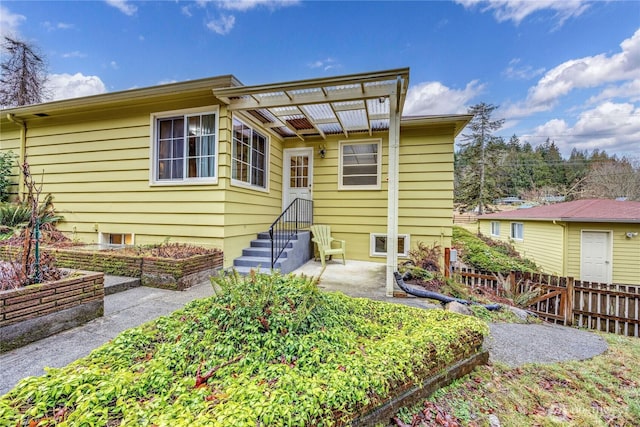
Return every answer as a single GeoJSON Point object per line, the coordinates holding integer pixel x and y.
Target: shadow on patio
{"type": "Point", "coordinates": [361, 279]}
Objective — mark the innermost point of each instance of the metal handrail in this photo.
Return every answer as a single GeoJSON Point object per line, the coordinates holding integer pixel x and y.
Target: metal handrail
{"type": "Point", "coordinates": [297, 216]}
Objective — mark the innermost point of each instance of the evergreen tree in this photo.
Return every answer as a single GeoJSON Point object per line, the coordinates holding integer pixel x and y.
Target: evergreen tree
{"type": "Point", "coordinates": [474, 158]}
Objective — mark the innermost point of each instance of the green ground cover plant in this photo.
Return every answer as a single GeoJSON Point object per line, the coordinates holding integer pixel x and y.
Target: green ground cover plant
{"type": "Point", "coordinates": [265, 351]}
{"type": "Point", "coordinates": [602, 391]}
{"type": "Point", "coordinates": [488, 255]}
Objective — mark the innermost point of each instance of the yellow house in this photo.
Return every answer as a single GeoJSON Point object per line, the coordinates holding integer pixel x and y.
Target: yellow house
{"type": "Point", "coordinates": [214, 162]}
{"type": "Point", "coordinates": [591, 240]}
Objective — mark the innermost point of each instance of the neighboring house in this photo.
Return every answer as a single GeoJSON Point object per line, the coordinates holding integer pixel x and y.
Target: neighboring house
{"type": "Point", "coordinates": [214, 162]}
{"type": "Point", "coordinates": [591, 240]}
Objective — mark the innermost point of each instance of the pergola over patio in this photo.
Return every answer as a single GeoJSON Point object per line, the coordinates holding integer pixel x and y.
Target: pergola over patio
{"type": "Point", "coordinates": [346, 105]}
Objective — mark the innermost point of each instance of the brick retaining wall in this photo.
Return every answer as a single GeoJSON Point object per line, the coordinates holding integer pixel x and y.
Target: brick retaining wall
{"type": "Point", "coordinates": [33, 312]}
{"type": "Point", "coordinates": [179, 274]}
{"type": "Point", "coordinates": [167, 273]}
{"type": "Point", "coordinates": [108, 262]}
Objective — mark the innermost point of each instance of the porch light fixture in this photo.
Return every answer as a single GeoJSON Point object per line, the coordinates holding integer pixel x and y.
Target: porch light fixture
{"type": "Point", "coordinates": [322, 152]}
{"type": "Point", "coordinates": [631, 234]}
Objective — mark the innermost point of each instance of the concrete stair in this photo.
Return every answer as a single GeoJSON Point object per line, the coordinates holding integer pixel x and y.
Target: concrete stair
{"type": "Point", "coordinates": [258, 255]}
{"type": "Point", "coordinates": [115, 284]}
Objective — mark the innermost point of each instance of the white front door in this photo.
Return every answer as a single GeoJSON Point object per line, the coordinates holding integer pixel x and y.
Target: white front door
{"type": "Point", "coordinates": [595, 257]}
{"type": "Point", "coordinates": [298, 175]}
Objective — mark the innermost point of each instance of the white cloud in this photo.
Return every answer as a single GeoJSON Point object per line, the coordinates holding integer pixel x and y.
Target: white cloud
{"type": "Point", "coordinates": [59, 26]}
{"type": "Point", "coordinates": [123, 6]}
{"type": "Point", "coordinates": [325, 64]}
{"type": "Point", "coordinates": [114, 65]}
{"type": "Point", "coordinates": [222, 25]}
{"type": "Point", "coordinates": [435, 98]}
{"type": "Point", "coordinates": [74, 54]}
{"type": "Point", "coordinates": [609, 126]}
{"type": "Point", "coordinates": [628, 90]}
{"type": "Point", "coordinates": [517, 71]}
{"type": "Point", "coordinates": [9, 22]}
{"type": "Point", "coordinates": [186, 10]}
{"type": "Point", "coordinates": [518, 10]}
{"type": "Point", "coordinates": [225, 23]}
{"type": "Point", "coordinates": [587, 72]}
{"type": "Point", "coordinates": [64, 86]}
{"type": "Point", "coordinates": [244, 5]}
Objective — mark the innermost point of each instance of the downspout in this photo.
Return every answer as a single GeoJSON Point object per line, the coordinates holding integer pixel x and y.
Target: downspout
{"type": "Point", "coordinates": [23, 147]}
{"type": "Point", "coordinates": [392, 188]}
{"type": "Point", "coordinates": [565, 239]}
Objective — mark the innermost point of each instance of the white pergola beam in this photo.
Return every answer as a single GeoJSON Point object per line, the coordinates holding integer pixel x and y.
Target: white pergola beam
{"type": "Point", "coordinates": [250, 103]}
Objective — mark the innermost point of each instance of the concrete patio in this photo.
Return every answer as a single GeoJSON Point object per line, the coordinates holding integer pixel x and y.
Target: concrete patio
{"type": "Point", "coordinates": [360, 279]}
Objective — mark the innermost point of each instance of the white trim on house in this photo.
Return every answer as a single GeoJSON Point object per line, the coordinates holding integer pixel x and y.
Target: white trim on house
{"type": "Point", "coordinates": [378, 164]}
{"type": "Point", "coordinates": [238, 182]}
{"type": "Point", "coordinates": [105, 239]}
{"type": "Point", "coordinates": [372, 245]}
{"type": "Point", "coordinates": [153, 158]}
{"type": "Point", "coordinates": [495, 228]}
{"type": "Point", "coordinates": [513, 232]}
{"type": "Point", "coordinates": [286, 172]}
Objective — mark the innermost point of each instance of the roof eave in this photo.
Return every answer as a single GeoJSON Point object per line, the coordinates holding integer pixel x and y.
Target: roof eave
{"type": "Point", "coordinates": [561, 219]}
{"type": "Point", "coordinates": [459, 120]}
{"type": "Point", "coordinates": [28, 111]}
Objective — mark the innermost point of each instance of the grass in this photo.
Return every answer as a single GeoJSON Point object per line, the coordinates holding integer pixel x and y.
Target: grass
{"type": "Point", "coordinates": [602, 391]}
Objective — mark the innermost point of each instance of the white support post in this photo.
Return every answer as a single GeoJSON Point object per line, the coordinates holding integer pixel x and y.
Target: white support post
{"type": "Point", "coordinates": [392, 190]}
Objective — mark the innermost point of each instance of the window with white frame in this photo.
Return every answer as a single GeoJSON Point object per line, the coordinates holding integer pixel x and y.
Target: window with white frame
{"type": "Point", "coordinates": [360, 165]}
{"type": "Point", "coordinates": [185, 148]}
{"type": "Point", "coordinates": [116, 239]}
{"type": "Point", "coordinates": [378, 246]}
{"type": "Point", "coordinates": [495, 228]}
{"type": "Point", "coordinates": [249, 155]}
{"type": "Point", "coordinates": [517, 230]}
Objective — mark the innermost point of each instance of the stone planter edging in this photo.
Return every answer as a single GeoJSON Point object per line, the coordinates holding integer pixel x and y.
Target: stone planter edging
{"type": "Point", "coordinates": [37, 311]}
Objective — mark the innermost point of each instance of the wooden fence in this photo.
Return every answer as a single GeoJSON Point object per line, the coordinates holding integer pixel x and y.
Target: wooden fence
{"type": "Point", "coordinates": [464, 218]}
{"type": "Point", "coordinates": [605, 307]}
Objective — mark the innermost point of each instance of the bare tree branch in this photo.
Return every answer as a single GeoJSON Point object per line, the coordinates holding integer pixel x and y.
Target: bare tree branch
{"type": "Point", "coordinates": [23, 74]}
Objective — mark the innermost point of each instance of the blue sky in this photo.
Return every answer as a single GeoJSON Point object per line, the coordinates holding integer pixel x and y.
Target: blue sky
{"type": "Point", "coordinates": [567, 70]}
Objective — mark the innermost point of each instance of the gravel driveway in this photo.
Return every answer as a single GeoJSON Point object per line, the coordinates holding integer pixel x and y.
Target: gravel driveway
{"type": "Point", "coordinates": [517, 344]}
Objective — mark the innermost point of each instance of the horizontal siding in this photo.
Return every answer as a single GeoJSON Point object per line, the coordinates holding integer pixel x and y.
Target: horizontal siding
{"type": "Point", "coordinates": [542, 242]}
{"type": "Point", "coordinates": [96, 164]}
{"type": "Point", "coordinates": [626, 252]}
{"type": "Point", "coordinates": [10, 142]}
{"type": "Point", "coordinates": [425, 194]}
{"type": "Point", "coordinates": [249, 212]}
{"type": "Point", "coordinates": [426, 187]}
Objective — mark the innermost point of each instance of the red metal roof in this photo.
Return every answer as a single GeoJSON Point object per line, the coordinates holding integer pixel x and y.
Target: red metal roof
{"type": "Point", "coordinates": [588, 210]}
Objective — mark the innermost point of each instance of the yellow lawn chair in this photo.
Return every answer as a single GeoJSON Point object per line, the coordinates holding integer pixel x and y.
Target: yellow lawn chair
{"type": "Point", "coordinates": [324, 241]}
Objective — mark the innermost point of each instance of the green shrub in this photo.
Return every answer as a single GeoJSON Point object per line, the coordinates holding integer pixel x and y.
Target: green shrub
{"type": "Point", "coordinates": [16, 216]}
{"type": "Point", "coordinates": [265, 351]}
{"type": "Point", "coordinates": [496, 258]}
{"type": "Point", "coordinates": [7, 163]}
